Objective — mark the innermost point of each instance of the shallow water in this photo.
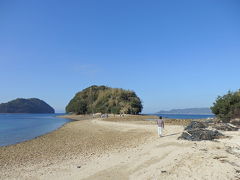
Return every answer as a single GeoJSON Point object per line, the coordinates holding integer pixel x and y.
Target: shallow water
{"type": "Point", "coordinates": [15, 128]}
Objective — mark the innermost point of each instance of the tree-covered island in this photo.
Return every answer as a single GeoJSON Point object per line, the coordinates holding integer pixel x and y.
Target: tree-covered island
{"type": "Point", "coordinates": [103, 99]}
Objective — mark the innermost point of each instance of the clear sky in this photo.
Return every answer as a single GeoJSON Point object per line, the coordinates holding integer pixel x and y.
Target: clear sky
{"type": "Point", "coordinates": [172, 53]}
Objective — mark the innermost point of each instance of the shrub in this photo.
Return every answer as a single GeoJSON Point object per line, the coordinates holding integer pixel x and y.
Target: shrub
{"type": "Point", "coordinates": [228, 106]}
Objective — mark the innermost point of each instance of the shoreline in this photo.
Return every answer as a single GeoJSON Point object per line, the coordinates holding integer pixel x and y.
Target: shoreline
{"type": "Point", "coordinates": [120, 148]}
{"type": "Point", "coordinates": [71, 118]}
{"type": "Point", "coordinates": [82, 117]}
{"type": "Point", "coordinates": [67, 142]}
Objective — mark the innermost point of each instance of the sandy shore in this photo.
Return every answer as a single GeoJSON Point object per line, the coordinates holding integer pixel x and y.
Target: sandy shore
{"type": "Point", "coordinates": [126, 148]}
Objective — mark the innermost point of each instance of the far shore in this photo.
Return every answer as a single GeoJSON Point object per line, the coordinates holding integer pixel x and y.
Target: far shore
{"type": "Point", "coordinates": [120, 148]}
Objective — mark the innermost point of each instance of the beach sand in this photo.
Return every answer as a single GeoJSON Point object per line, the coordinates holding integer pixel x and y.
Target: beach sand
{"type": "Point", "coordinates": [120, 148]}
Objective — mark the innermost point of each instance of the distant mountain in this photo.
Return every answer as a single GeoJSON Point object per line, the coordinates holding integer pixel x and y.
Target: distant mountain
{"type": "Point", "coordinates": [187, 111]}
{"type": "Point", "coordinates": [20, 105]}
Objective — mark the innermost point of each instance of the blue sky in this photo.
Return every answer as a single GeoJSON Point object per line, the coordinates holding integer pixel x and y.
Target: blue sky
{"type": "Point", "coordinates": [173, 54]}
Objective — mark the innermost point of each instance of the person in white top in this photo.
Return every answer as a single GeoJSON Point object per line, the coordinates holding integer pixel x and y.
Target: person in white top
{"type": "Point", "coordinates": [160, 124]}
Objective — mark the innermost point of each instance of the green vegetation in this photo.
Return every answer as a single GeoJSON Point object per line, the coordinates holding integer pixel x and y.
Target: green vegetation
{"type": "Point", "coordinates": [104, 99]}
{"type": "Point", "coordinates": [227, 107]}
{"type": "Point", "coordinates": [21, 105]}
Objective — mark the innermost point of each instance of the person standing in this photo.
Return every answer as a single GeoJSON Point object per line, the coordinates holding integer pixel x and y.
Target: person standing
{"type": "Point", "coordinates": [160, 124]}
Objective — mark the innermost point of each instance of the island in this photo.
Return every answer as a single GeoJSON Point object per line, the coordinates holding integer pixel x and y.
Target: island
{"type": "Point", "coordinates": [21, 105]}
{"type": "Point", "coordinates": [190, 111]}
{"type": "Point", "coordinates": [103, 99]}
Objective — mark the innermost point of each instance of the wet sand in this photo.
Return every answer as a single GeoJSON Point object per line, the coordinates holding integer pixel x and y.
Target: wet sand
{"type": "Point", "coordinates": [120, 148]}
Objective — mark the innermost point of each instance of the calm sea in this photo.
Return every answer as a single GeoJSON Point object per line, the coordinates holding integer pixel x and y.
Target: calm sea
{"type": "Point", "coordinates": [15, 128]}
{"type": "Point", "coordinates": [185, 116]}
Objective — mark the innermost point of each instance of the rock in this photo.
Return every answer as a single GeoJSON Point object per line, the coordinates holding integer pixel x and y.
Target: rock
{"type": "Point", "coordinates": [78, 166]}
{"type": "Point", "coordinates": [196, 131]}
{"type": "Point", "coordinates": [199, 134]}
{"type": "Point", "coordinates": [235, 122]}
{"type": "Point", "coordinates": [225, 127]}
{"type": "Point", "coordinates": [234, 150]}
{"type": "Point", "coordinates": [195, 124]}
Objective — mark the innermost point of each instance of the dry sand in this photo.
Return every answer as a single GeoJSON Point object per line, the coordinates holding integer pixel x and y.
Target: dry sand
{"type": "Point", "coordinates": [114, 148]}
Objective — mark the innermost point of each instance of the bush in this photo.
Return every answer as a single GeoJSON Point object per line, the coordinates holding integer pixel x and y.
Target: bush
{"type": "Point", "coordinates": [227, 107]}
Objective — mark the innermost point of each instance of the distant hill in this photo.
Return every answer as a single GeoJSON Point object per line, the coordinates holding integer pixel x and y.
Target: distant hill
{"type": "Point", "coordinates": [103, 99]}
{"type": "Point", "coordinates": [187, 111]}
{"type": "Point", "coordinates": [21, 105]}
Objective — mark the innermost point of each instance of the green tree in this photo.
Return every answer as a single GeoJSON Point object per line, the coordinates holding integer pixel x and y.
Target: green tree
{"type": "Point", "coordinates": [227, 106]}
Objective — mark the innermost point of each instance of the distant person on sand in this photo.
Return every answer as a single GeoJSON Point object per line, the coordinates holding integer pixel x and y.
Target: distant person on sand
{"type": "Point", "coordinates": [160, 124]}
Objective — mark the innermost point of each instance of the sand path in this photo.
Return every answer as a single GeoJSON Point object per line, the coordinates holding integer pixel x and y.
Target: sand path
{"type": "Point", "coordinates": [120, 150]}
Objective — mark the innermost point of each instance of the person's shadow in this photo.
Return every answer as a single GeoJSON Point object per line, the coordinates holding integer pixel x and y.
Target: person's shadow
{"type": "Point", "coordinates": [172, 134]}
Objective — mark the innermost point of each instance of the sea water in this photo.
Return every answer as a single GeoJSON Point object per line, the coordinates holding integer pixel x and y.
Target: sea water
{"type": "Point", "coordinates": [15, 128]}
{"type": "Point", "coordinates": [186, 116]}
